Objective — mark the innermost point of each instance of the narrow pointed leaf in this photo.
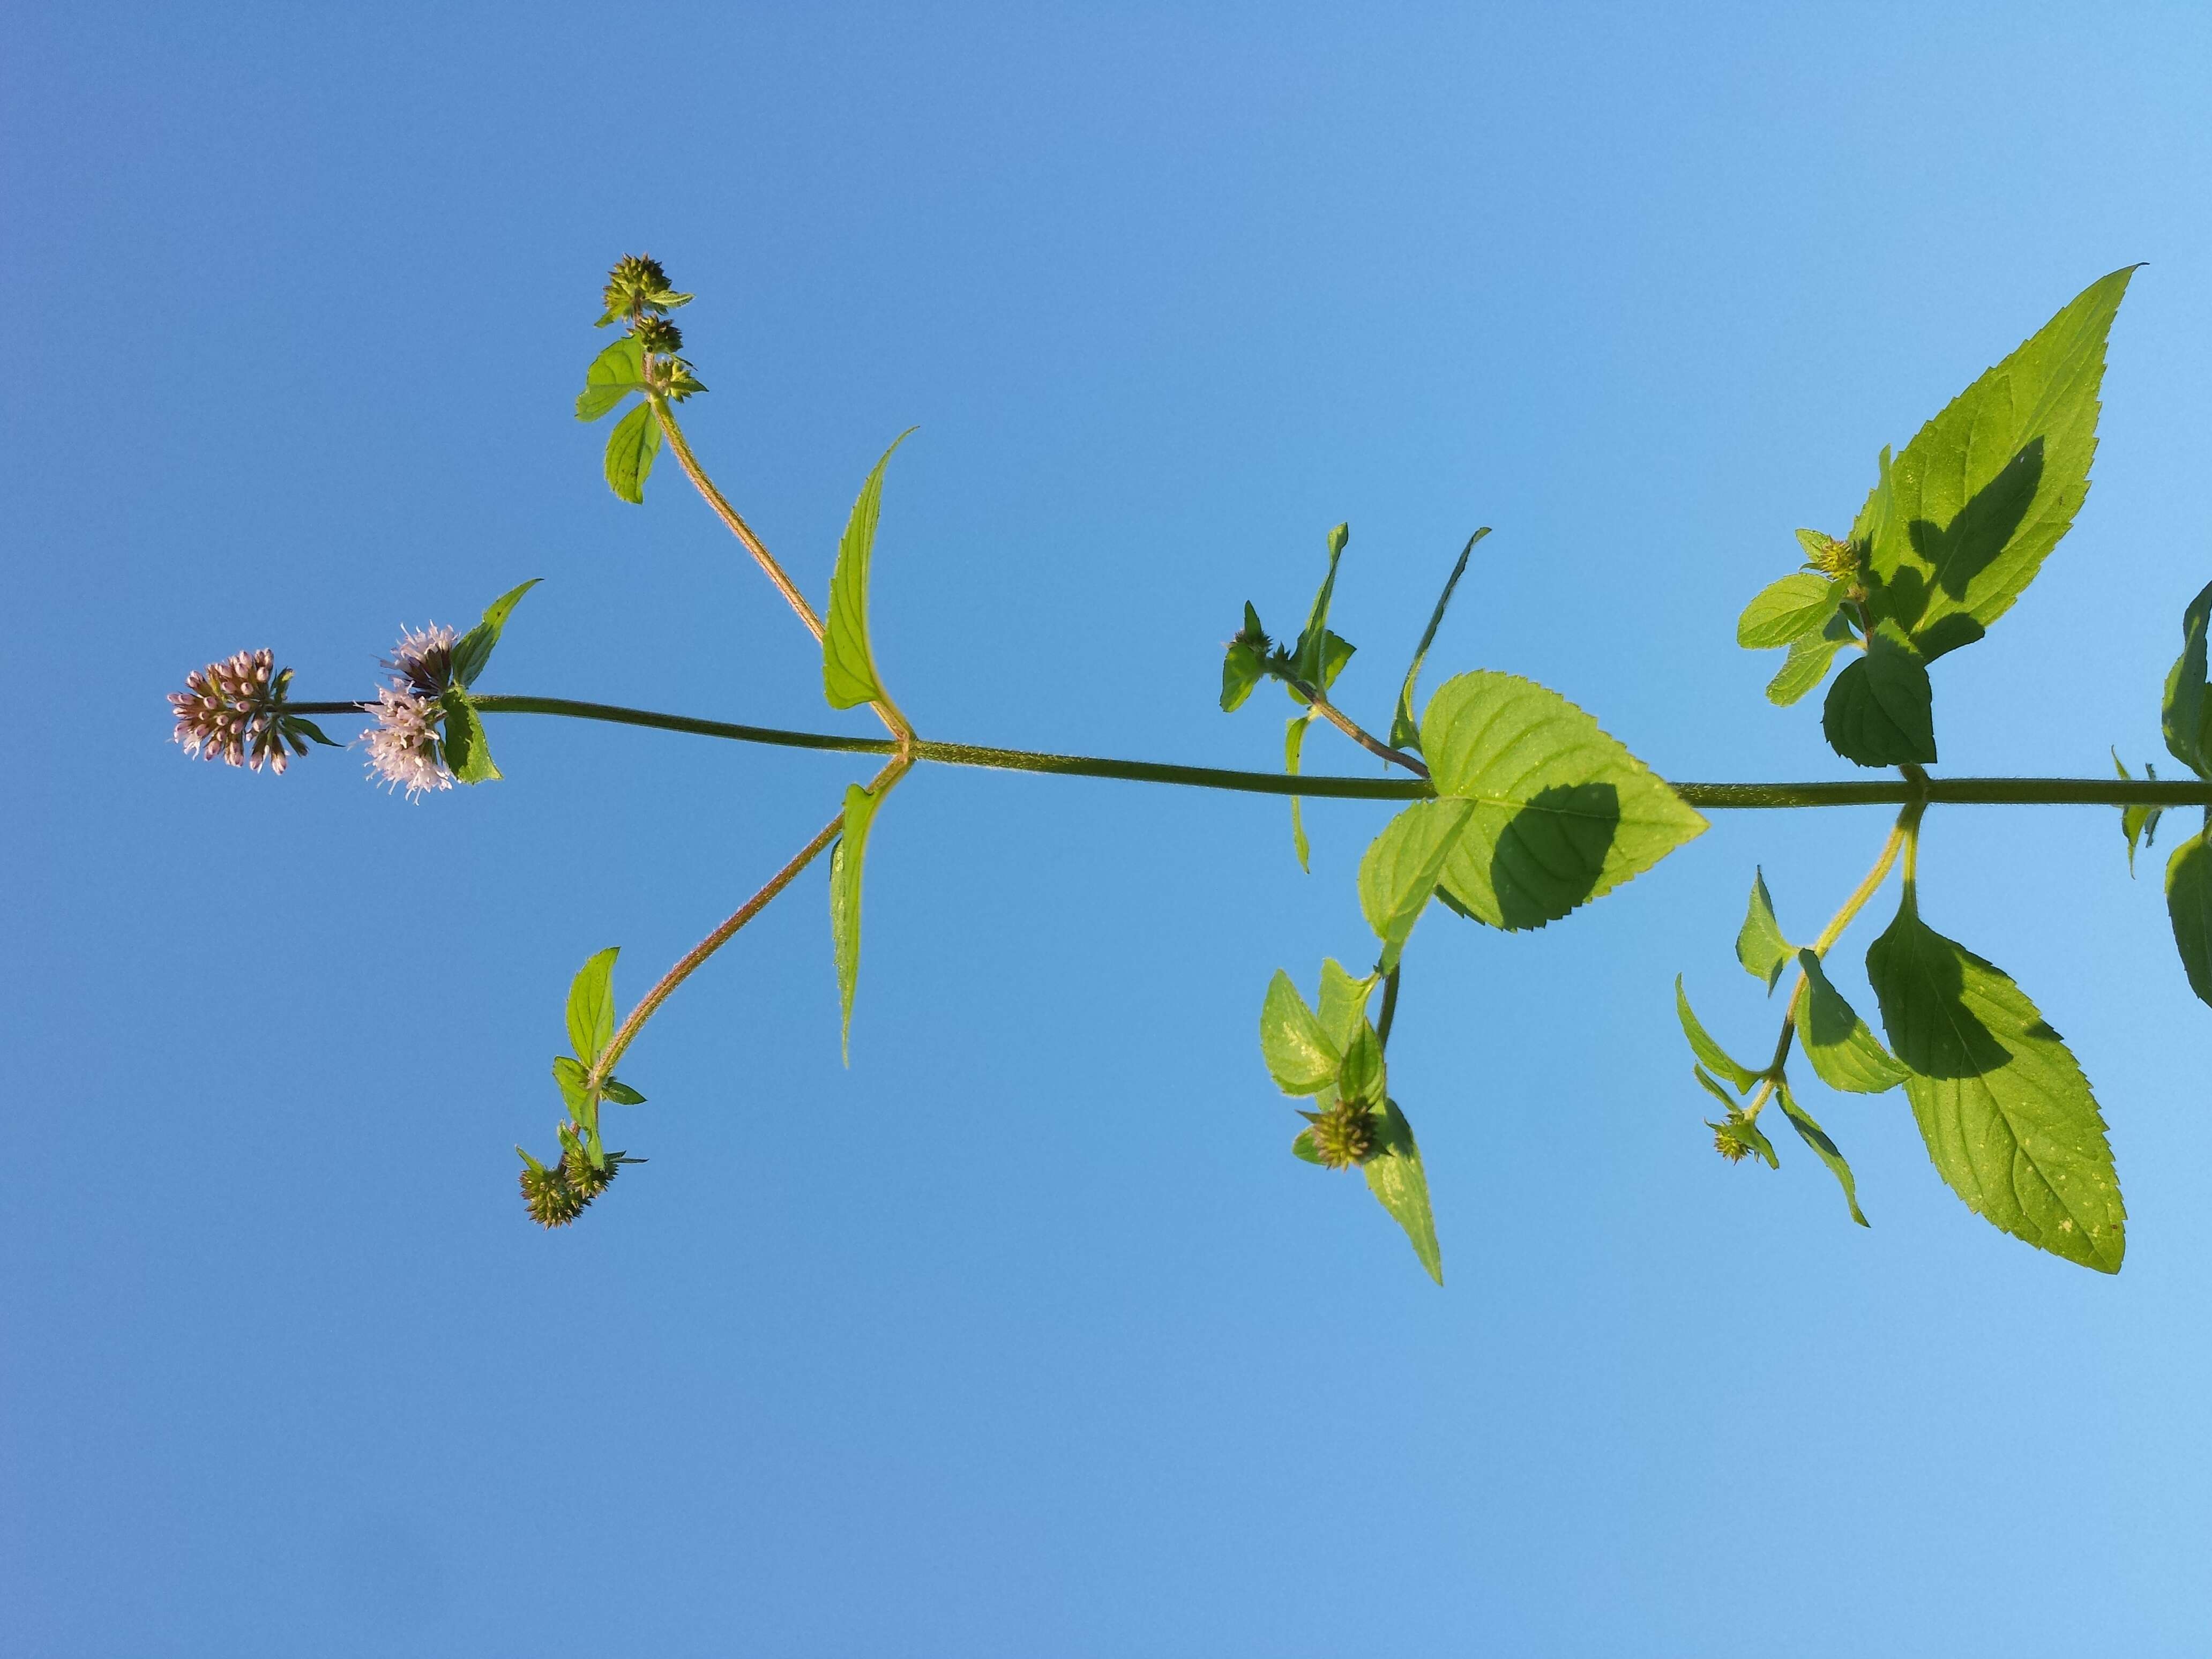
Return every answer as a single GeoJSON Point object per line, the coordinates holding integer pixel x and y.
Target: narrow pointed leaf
{"type": "Point", "coordinates": [1823, 1148]}
{"type": "Point", "coordinates": [2181, 713]}
{"type": "Point", "coordinates": [631, 449]}
{"type": "Point", "coordinates": [1294, 741]}
{"type": "Point", "coordinates": [1562, 813]}
{"type": "Point", "coordinates": [1880, 711]}
{"type": "Point", "coordinates": [845, 866]}
{"type": "Point", "coordinates": [472, 651]}
{"type": "Point", "coordinates": [848, 657]}
{"type": "Point", "coordinates": [1703, 1046]}
{"type": "Point", "coordinates": [1760, 945]}
{"type": "Point", "coordinates": [1312, 651]}
{"type": "Point", "coordinates": [592, 1005]}
{"type": "Point", "coordinates": [1844, 1055]}
{"type": "Point", "coordinates": [2189, 907]}
{"type": "Point", "coordinates": [1797, 607]}
{"type": "Point", "coordinates": [2008, 1117]}
{"type": "Point", "coordinates": [2138, 824]}
{"type": "Point", "coordinates": [1405, 725]}
{"type": "Point", "coordinates": [1394, 1175]}
{"type": "Point", "coordinates": [621, 1094]}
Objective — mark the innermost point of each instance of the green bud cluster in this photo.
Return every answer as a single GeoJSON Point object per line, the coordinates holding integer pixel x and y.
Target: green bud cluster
{"type": "Point", "coordinates": [1344, 1135]}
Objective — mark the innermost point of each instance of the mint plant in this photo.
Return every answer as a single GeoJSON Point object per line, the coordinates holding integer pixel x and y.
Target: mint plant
{"type": "Point", "coordinates": [1518, 808]}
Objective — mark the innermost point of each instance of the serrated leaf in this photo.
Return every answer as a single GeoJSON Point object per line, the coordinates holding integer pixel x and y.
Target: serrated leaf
{"type": "Point", "coordinates": [631, 449]}
{"type": "Point", "coordinates": [472, 651]}
{"type": "Point", "coordinates": [468, 751]}
{"type": "Point", "coordinates": [1402, 865]}
{"type": "Point", "coordinates": [2008, 1117]}
{"type": "Point", "coordinates": [1562, 813]}
{"type": "Point", "coordinates": [1344, 1002]}
{"type": "Point", "coordinates": [1880, 710]}
{"type": "Point", "coordinates": [615, 373]}
{"type": "Point", "coordinates": [1362, 1078]}
{"type": "Point", "coordinates": [621, 1094]}
{"type": "Point", "coordinates": [1760, 945]}
{"type": "Point", "coordinates": [1703, 1046]}
{"type": "Point", "coordinates": [1310, 657]}
{"type": "Point", "coordinates": [1301, 1056]}
{"type": "Point", "coordinates": [1794, 608]}
{"type": "Point", "coordinates": [1808, 662]}
{"type": "Point", "coordinates": [847, 861]}
{"type": "Point", "coordinates": [591, 1011]}
{"type": "Point", "coordinates": [1843, 1053]}
{"type": "Point", "coordinates": [848, 659]}
{"type": "Point", "coordinates": [2181, 711]}
{"type": "Point", "coordinates": [1405, 728]}
{"type": "Point", "coordinates": [2189, 907]}
{"type": "Point", "coordinates": [1399, 1184]}
{"type": "Point", "coordinates": [1824, 1149]}
{"type": "Point", "coordinates": [1983, 491]}
{"type": "Point", "coordinates": [1294, 742]}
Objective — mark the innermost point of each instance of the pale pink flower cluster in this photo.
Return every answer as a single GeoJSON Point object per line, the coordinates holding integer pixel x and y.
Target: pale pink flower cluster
{"type": "Point", "coordinates": [406, 750]}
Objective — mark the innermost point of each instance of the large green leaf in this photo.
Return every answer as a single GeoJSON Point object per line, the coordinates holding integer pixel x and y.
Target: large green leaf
{"type": "Point", "coordinates": [2007, 1115]}
{"type": "Point", "coordinates": [1405, 728]}
{"type": "Point", "coordinates": [1985, 490]}
{"type": "Point", "coordinates": [592, 1005]}
{"type": "Point", "coordinates": [1402, 865]}
{"type": "Point", "coordinates": [1302, 1057]}
{"type": "Point", "coordinates": [1760, 945]}
{"type": "Point", "coordinates": [1824, 1149]}
{"type": "Point", "coordinates": [846, 864]}
{"type": "Point", "coordinates": [631, 449]}
{"type": "Point", "coordinates": [472, 651]}
{"type": "Point", "coordinates": [1562, 813]}
{"type": "Point", "coordinates": [1880, 710]}
{"type": "Point", "coordinates": [2189, 906]}
{"type": "Point", "coordinates": [2182, 711]}
{"type": "Point", "coordinates": [1795, 608]}
{"type": "Point", "coordinates": [1394, 1175]}
{"type": "Point", "coordinates": [849, 659]}
{"type": "Point", "coordinates": [1845, 1054]}
{"type": "Point", "coordinates": [615, 373]}
{"type": "Point", "coordinates": [1706, 1049]}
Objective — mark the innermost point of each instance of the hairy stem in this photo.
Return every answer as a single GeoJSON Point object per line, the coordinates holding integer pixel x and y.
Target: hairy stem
{"type": "Point", "coordinates": [1351, 728]}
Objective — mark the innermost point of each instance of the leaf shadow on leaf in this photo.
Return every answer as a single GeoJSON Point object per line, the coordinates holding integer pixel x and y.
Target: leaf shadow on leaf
{"type": "Point", "coordinates": [1552, 852]}
{"type": "Point", "coordinates": [1962, 550]}
{"type": "Point", "coordinates": [1976, 1051]}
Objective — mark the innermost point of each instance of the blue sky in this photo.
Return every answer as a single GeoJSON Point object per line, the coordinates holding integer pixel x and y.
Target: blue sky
{"type": "Point", "coordinates": [1024, 1333]}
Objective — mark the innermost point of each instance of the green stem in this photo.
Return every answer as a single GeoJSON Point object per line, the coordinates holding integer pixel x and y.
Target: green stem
{"type": "Point", "coordinates": [1722, 796]}
{"type": "Point", "coordinates": [1352, 729]}
{"type": "Point", "coordinates": [1390, 1008]}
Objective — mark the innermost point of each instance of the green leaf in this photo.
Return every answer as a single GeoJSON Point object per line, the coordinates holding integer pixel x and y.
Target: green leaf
{"type": "Point", "coordinates": [1797, 607]}
{"type": "Point", "coordinates": [1880, 711]}
{"type": "Point", "coordinates": [2182, 711]}
{"type": "Point", "coordinates": [1394, 1175]}
{"type": "Point", "coordinates": [1241, 668]}
{"type": "Point", "coordinates": [1735, 1123]}
{"type": "Point", "coordinates": [1344, 1002]}
{"type": "Point", "coordinates": [1703, 1046]}
{"type": "Point", "coordinates": [631, 449]}
{"type": "Point", "coordinates": [2138, 824]}
{"type": "Point", "coordinates": [615, 373]}
{"type": "Point", "coordinates": [575, 1085]}
{"type": "Point", "coordinates": [1983, 491]}
{"type": "Point", "coordinates": [1760, 945]}
{"type": "Point", "coordinates": [1310, 658]}
{"type": "Point", "coordinates": [1845, 1054]}
{"type": "Point", "coordinates": [1817, 1138]}
{"type": "Point", "coordinates": [1304, 1147]}
{"type": "Point", "coordinates": [472, 651]}
{"type": "Point", "coordinates": [1808, 662]}
{"type": "Point", "coordinates": [1300, 1054]}
{"type": "Point", "coordinates": [468, 752]}
{"type": "Point", "coordinates": [845, 867]}
{"type": "Point", "coordinates": [1294, 741]}
{"type": "Point", "coordinates": [1362, 1079]}
{"type": "Point", "coordinates": [1402, 865]}
{"type": "Point", "coordinates": [621, 1094]}
{"type": "Point", "coordinates": [591, 1006]}
{"type": "Point", "coordinates": [1405, 728]}
{"type": "Point", "coordinates": [849, 660]}
{"type": "Point", "coordinates": [1562, 813]}
{"type": "Point", "coordinates": [2189, 906]}
{"type": "Point", "coordinates": [2007, 1115]}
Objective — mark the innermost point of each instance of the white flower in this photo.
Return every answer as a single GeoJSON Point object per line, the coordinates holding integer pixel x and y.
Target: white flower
{"type": "Point", "coordinates": [423, 660]}
{"type": "Point", "coordinates": [403, 747]}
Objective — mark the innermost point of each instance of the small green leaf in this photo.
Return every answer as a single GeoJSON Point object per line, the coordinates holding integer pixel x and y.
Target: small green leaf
{"type": "Point", "coordinates": [1563, 813]}
{"type": "Point", "coordinates": [1241, 668]}
{"type": "Point", "coordinates": [575, 1085]}
{"type": "Point", "coordinates": [1985, 490]}
{"type": "Point", "coordinates": [1880, 711]}
{"type": "Point", "coordinates": [1760, 945]}
{"type": "Point", "coordinates": [2008, 1118]}
{"type": "Point", "coordinates": [1362, 1078]}
{"type": "Point", "coordinates": [472, 651]}
{"type": "Point", "coordinates": [468, 752]}
{"type": "Point", "coordinates": [1344, 1002]}
{"type": "Point", "coordinates": [845, 868]}
{"type": "Point", "coordinates": [2189, 906]}
{"type": "Point", "coordinates": [1402, 865]}
{"type": "Point", "coordinates": [1808, 662]}
{"type": "Point", "coordinates": [1312, 656]}
{"type": "Point", "coordinates": [2182, 711]}
{"type": "Point", "coordinates": [1817, 1138]}
{"type": "Point", "coordinates": [592, 1005]}
{"type": "Point", "coordinates": [1304, 1147]}
{"type": "Point", "coordinates": [1300, 1056]}
{"type": "Point", "coordinates": [1703, 1046]}
{"type": "Point", "coordinates": [2138, 824]}
{"type": "Point", "coordinates": [1797, 607]}
{"type": "Point", "coordinates": [312, 730]}
{"type": "Point", "coordinates": [621, 1094]}
{"type": "Point", "coordinates": [849, 659]}
{"type": "Point", "coordinates": [1294, 741]}
{"type": "Point", "coordinates": [1845, 1054]}
{"type": "Point", "coordinates": [1405, 726]}
{"type": "Point", "coordinates": [631, 449]}
{"type": "Point", "coordinates": [1394, 1175]}
{"type": "Point", "coordinates": [615, 373]}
